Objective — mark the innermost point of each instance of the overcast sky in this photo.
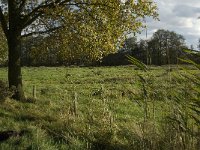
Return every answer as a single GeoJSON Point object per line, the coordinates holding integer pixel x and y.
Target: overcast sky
{"type": "Point", "coordinates": [180, 16]}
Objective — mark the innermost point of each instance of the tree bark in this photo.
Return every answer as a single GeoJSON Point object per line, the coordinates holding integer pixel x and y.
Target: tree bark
{"type": "Point", "coordinates": [14, 50]}
{"type": "Point", "coordinates": [14, 65]}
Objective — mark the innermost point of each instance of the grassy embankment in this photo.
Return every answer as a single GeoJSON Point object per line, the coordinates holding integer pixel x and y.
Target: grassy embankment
{"type": "Point", "coordinates": [103, 108]}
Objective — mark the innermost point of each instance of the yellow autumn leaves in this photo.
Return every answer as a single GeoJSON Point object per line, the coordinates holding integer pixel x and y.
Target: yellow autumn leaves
{"type": "Point", "coordinates": [94, 28]}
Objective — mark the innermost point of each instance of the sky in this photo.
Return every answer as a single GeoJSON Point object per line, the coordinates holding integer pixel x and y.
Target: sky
{"type": "Point", "coordinates": [180, 16]}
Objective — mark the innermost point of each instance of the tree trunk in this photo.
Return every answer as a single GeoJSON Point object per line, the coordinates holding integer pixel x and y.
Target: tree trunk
{"type": "Point", "coordinates": [14, 50]}
{"type": "Point", "coordinates": [14, 65]}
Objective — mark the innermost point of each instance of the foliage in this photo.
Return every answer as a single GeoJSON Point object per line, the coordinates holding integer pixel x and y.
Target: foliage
{"type": "Point", "coordinates": [164, 47]}
{"type": "Point", "coordinates": [4, 91]}
{"type": "Point", "coordinates": [92, 31]}
{"type": "Point", "coordinates": [136, 62]}
{"type": "Point", "coordinates": [167, 45]}
{"type": "Point", "coordinates": [129, 45]}
{"type": "Point", "coordinates": [3, 48]}
{"type": "Point", "coordinates": [198, 45]}
{"type": "Point", "coordinates": [194, 101]}
{"type": "Point", "coordinates": [36, 51]}
{"type": "Point", "coordinates": [88, 30]}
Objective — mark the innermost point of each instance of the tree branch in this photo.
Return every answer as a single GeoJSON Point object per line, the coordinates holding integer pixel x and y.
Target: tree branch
{"type": "Point", "coordinates": [31, 20]}
{"type": "Point", "coordinates": [23, 2]}
{"type": "Point", "coordinates": [39, 10]}
{"type": "Point", "coordinates": [41, 32]}
{"type": "Point", "coordinates": [93, 4]}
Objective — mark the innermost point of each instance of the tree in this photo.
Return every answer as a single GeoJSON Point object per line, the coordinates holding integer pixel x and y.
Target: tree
{"type": "Point", "coordinates": [192, 47]}
{"type": "Point", "coordinates": [3, 48]}
{"type": "Point", "coordinates": [129, 45]}
{"type": "Point", "coordinates": [165, 47]}
{"type": "Point", "coordinates": [37, 51]}
{"type": "Point", "coordinates": [142, 52]}
{"type": "Point", "coordinates": [198, 45]}
{"type": "Point", "coordinates": [21, 18]}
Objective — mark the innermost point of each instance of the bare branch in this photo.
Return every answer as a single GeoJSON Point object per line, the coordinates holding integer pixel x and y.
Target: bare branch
{"type": "Point", "coordinates": [23, 2]}
{"type": "Point", "coordinates": [41, 32]}
{"type": "Point", "coordinates": [39, 10]}
{"type": "Point", "coordinates": [31, 20]}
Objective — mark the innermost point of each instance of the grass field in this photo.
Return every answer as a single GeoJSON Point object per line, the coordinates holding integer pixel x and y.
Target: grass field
{"type": "Point", "coordinates": [103, 108]}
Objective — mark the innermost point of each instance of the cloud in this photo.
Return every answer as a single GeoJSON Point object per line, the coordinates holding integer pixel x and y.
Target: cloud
{"type": "Point", "coordinates": [179, 16]}
{"type": "Point", "coordinates": [186, 11]}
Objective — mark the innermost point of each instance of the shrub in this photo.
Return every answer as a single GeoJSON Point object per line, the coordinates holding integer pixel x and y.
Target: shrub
{"type": "Point", "coordinates": [4, 91]}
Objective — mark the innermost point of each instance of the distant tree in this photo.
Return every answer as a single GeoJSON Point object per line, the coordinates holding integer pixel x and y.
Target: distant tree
{"type": "Point", "coordinates": [142, 52]}
{"type": "Point", "coordinates": [198, 44]}
{"type": "Point", "coordinates": [155, 45]}
{"type": "Point", "coordinates": [129, 45]}
{"type": "Point", "coordinates": [3, 48]}
{"type": "Point", "coordinates": [38, 51]}
{"type": "Point", "coordinates": [22, 18]}
{"type": "Point", "coordinates": [166, 47]}
{"type": "Point", "coordinates": [192, 47]}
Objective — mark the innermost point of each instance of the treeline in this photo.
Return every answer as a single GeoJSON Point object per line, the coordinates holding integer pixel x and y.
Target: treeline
{"type": "Point", "coordinates": [164, 47]}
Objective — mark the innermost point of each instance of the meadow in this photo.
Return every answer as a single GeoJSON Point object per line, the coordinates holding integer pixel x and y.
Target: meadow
{"type": "Point", "coordinates": [105, 108]}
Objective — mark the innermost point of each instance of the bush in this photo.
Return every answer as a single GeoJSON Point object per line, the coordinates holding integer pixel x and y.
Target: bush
{"type": "Point", "coordinates": [4, 91]}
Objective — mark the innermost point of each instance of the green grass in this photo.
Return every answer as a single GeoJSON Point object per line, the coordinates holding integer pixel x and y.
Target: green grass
{"type": "Point", "coordinates": [100, 108]}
